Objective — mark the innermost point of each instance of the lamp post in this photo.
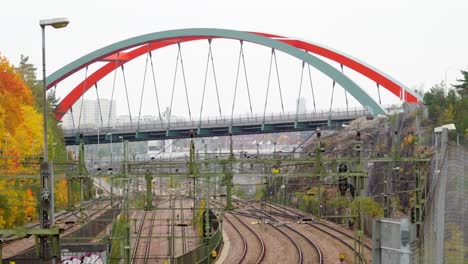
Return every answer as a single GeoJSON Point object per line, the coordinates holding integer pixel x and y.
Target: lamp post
{"type": "Point", "coordinates": [97, 152]}
{"type": "Point", "coordinates": [55, 23]}
{"type": "Point", "coordinates": [47, 186]}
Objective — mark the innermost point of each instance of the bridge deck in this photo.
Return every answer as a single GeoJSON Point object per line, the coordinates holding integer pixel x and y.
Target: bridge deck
{"type": "Point", "coordinates": [144, 131]}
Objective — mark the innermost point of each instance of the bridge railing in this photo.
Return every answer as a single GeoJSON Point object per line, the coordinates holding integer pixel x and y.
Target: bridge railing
{"type": "Point", "coordinates": [242, 120]}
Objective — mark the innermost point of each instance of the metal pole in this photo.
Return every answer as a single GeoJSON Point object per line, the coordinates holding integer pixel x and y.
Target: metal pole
{"type": "Point", "coordinates": [44, 96]}
{"type": "Point", "coordinates": [97, 154]}
{"type": "Point", "coordinates": [112, 153]}
{"type": "Point", "coordinates": [46, 204]}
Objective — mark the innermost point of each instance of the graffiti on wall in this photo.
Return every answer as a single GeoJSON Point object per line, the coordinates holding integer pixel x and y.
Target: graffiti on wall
{"type": "Point", "coordinates": [90, 258]}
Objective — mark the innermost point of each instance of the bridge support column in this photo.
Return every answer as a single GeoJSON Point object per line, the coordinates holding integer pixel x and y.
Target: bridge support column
{"type": "Point", "coordinates": [149, 193]}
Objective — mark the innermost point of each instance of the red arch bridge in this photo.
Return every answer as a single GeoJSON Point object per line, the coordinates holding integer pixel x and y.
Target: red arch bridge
{"type": "Point", "coordinates": [256, 114]}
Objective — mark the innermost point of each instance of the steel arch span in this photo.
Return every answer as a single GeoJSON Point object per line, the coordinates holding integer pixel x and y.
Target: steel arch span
{"type": "Point", "coordinates": [302, 50]}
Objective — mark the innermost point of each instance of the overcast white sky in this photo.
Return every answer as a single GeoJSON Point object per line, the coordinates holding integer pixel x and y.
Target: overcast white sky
{"type": "Point", "coordinates": [418, 42]}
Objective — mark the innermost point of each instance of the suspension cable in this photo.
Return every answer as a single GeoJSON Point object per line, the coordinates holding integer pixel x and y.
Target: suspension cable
{"type": "Point", "coordinates": [215, 80]}
{"type": "Point", "coordinates": [331, 102]}
{"type": "Point", "coordinates": [99, 104]}
{"type": "Point", "coordinates": [204, 82]}
{"type": "Point", "coordinates": [82, 96]}
{"type": "Point", "coordinates": [185, 82]}
{"type": "Point", "coordinates": [126, 94]}
{"type": "Point", "coordinates": [268, 84]}
{"type": "Point", "coordinates": [378, 90]}
{"type": "Point", "coordinates": [345, 93]}
{"type": "Point", "coordinates": [246, 79]}
{"type": "Point", "coordinates": [73, 119]}
{"type": "Point", "coordinates": [300, 89]}
{"type": "Point", "coordinates": [312, 88]}
{"type": "Point", "coordinates": [155, 87]}
{"type": "Point", "coordinates": [143, 89]}
{"type": "Point", "coordinates": [279, 83]}
{"type": "Point", "coordinates": [113, 89]}
{"type": "Point", "coordinates": [235, 85]}
{"type": "Point", "coordinates": [173, 88]}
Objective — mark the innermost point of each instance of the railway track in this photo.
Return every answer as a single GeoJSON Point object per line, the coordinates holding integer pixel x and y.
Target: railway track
{"type": "Point", "coordinates": [302, 243]}
{"type": "Point", "coordinates": [182, 222]}
{"type": "Point", "coordinates": [61, 220]}
{"type": "Point", "coordinates": [138, 237]}
{"type": "Point", "coordinates": [293, 241]}
{"type": "Point", "coordinates": [252, 258]}
{"type": "Point", "coordinates": [318, 253]}
{"type": "Point", "coordinates": [345, 239]}
{"type": "Point", "coordinates": [59, 217]}
{"type": "Point", "coordinates": [320, 224]}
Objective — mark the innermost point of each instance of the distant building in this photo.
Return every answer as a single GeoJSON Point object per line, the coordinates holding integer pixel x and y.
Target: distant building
{"type": "Point", "coordinates": [302, 105]}
{"type": "Point", "coordinates": [91, 114]}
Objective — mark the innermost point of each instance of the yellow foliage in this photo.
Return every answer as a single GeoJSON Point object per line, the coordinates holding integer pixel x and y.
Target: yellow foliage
{"type": "Point", "coordinates": [20, 126]}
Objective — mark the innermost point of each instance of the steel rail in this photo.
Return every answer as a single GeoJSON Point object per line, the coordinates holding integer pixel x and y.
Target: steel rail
{"type": "Point", "coordinates": [260, 240]}
{"type": "Point", "coordinates": [312, 243]}
{"type": "Point", "coordinates": [244, 241]}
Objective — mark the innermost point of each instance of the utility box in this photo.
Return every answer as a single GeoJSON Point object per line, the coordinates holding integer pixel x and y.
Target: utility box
{"type": "Point", "coordinates": [391, 241]}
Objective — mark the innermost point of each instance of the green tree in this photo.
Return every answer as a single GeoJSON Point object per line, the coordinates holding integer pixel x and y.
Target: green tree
{"type": "Point", "coordinates": [462, 86]}
{"type": "Point", "coordinates": [55, 133]}
{"type": "Point", "coordinates": [435, 101]}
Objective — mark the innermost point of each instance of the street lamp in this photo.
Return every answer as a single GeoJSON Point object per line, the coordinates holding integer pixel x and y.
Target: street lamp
{"type": "Point", "coordinates": [47, 192]}
{"type": "Point", "coordinates": [55, 23]}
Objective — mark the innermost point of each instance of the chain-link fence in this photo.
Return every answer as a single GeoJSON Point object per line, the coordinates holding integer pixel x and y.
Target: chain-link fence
{"type": "Point", "coordinates": [443, 238]}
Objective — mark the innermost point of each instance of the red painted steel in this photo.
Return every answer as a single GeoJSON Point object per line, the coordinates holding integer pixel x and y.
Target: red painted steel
{"type": "Point", "coordinates": [351, 63]}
